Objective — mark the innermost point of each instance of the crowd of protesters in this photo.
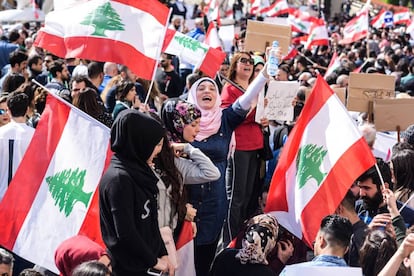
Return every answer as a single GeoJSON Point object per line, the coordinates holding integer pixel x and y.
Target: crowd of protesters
{"type": "Point", "coordinates": [191, 150]}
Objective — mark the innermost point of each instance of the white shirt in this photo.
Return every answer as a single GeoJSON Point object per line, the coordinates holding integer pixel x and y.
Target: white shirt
{"type": "Point", "coordinates": [21, 135]}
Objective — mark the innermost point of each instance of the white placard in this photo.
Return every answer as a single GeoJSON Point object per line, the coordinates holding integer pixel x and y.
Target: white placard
{"type": "Point", "coordinates": [226, 33]}
{"type": "Point", "coordinates": [279, 97]}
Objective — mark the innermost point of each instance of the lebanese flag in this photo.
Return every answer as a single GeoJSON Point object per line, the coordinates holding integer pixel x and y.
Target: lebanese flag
{"type": "Point", "coordinates": [410, 29]}
{"type": "Point", "coordinates": [213, 11]}
{"type": "Point", "coordinates": [292, 53]}
{"type": "Point", "coordinates": [255, 5]}
{"type": "Point", "coordinates": [378, 21]}
{"type": "Point", "coordinates": [355, 29]}
{"type": "Point", "coordinates": [212, 38]}
{"type": "Point", "coordinates": [333, 65]}
{"type": "Point", "coordinates": [300, 21]}
{"type": "Point", "coordinates": [53, 195]}
{"type": "Point", "coordinates": [318, 34]}
{"type": "Point", "coordinates": [206, 58]}
{"type": "Point", "coordinates": [127, 32]}
{"type": "Point", "coordinates": [277, 8]}
{"type": "Point", "coordinates": [402, 17]}
{"type": "Point", "coordinates": [324, 154]}
{"type": "Point", "coordinates": [185, 251]}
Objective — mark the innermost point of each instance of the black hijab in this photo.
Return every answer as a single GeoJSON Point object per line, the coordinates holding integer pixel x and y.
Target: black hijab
{"type": "Point", "coordinates": [134, 136]}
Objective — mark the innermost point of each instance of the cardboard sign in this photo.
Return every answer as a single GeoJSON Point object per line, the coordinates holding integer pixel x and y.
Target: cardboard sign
{"type": "Point", "coordinates": [363, 88]}
{"type": "Point", "coordinates": [293, 270]}
{"type": "Point", "coordinates": [260, 35]}
{"type": "Point", "coordinates": [279, 97]}
{"type": "Point", "coordinates": [390, 113]}
{"type": "Point", "coordinates": [341, 93]}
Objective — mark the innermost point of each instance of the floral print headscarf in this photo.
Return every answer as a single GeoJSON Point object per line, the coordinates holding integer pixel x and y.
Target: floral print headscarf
{"type": "Point", "coordinates": [177, 113]}
{"type": "Point", "coordinates": [260, 238]}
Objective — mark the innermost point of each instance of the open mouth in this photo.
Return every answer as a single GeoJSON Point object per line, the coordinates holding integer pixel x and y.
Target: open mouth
{"type": "Point", "coordinates": [206, 98]}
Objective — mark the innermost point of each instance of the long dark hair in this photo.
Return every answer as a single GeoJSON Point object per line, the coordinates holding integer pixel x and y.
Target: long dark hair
{"type": "Point", "coordinates": [86, 101]}
{"type": "Point", "coordinates": [377, 249]}
{"type": "Point", "coordinates": [170, 175]}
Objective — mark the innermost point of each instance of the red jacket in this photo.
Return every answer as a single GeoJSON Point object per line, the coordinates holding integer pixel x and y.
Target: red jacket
{"type": "Point", "coordinates": [249, 134]}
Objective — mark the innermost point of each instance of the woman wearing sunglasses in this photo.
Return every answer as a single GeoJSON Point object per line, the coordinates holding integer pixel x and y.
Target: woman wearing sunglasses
{"type": "Point", "coordinates": [244, 163]}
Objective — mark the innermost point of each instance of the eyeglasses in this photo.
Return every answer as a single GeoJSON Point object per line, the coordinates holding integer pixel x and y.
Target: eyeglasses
{"type": "Point", "coordinates": [2, 111]}
{"type": "Point", "coordinates": [246, 60]}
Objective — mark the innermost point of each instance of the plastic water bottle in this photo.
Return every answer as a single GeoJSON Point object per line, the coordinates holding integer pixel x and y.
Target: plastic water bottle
{"type": "Point", "coordinates": [273, 63]}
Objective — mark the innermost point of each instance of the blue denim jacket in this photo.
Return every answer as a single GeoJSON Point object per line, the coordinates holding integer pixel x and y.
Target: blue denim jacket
{"type": "Point", "coordinates": [210, 198]}
{"type": "Point", "coordinates": [321, 260]}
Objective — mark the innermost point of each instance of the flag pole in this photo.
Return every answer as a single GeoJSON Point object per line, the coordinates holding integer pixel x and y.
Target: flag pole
{"type": "Point", "coordinates": [405, 203]}
{"type": "Point", "coordinates": [380, 176]}
{"type": "Point", "coordinates": [160, 43]}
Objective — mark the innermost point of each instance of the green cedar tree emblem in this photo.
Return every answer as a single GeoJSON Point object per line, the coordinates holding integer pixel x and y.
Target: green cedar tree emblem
{"type": "Point", "coordinates": [66, 188]}
{"type": "Point", "coordinates": [189, 43]}
{"type": "Point", "coordinates": [104, 18]}
{"type": "Point", "coordinates": [308, 163]}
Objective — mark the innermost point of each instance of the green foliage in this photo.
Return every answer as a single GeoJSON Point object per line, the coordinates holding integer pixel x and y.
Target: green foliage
{"type": "Point", "coordinates": [308, 163]}
{"type": "Point", "coordinates": [66, 188]}
{"type": "Point", "coordinates": [104, 18]}
{"type": "Point", "coordinates": [189, 43]}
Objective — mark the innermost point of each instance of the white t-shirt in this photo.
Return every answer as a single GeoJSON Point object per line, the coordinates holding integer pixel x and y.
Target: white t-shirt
{"type": "Point", "coordinates": [21, 135]}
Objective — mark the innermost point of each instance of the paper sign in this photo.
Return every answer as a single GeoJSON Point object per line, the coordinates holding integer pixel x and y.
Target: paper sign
{"type": "Point", "coordinates": [390, 113]}
{"type": "Point", "coordinates": [279, 97]}
{"type": "Point", "coordinates": [226, 34]}
{"type": "Point", "coordinates": [260, 35]}
{"type": "Point", "coordinates": [294, 270]}
{"type": "Point", "coordinates": [363, 88]}
{"type": "Point", "coordinates": [340, 92]}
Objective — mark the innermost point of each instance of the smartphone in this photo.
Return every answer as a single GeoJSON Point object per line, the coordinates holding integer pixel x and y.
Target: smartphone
{"type": "Point", "coordinates": [154, 272]}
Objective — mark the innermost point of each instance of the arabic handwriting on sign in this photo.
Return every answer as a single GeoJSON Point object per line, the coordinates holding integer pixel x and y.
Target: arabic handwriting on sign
{"type": "Point", "coordinates": [378, 94]}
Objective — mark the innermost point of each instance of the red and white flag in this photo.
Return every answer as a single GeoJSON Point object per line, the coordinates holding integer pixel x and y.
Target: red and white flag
{"type": "Point", "coordinates": [318, 34]}
{"type": "Point", "coordinates": [324, 154]}
{"type": "Point", "coordinates": [57, 198]}
{"type": "Point", "coordinates": [127, 32]}
{"type": "Point", "coordinates": [212, 37]}
{"type": "Point", "coordinates": [255, 6]}
{"type": "Point", "coordinates": [300, 21]}
{"type": "Point", "coordinates": [277, 8]}
{"type": "Point", "coordinates": [292, 53]}
{"type": "Point", "coordinates": [213, 11]}
{"type": "Point", "coordinates": [356, 29]}
{"type": "Point", "coordinates": [402, 17]}
{"type": "Point", "coordinates": [378, 21]}
{"type": "Point", "coordinates": [333, 65]}
{"type": "Point", "coordinates": [206, 58]}
{"type": "Point", "coordinates": [185, 251]}
{"type": "Point", "coordinates": [410, 29]}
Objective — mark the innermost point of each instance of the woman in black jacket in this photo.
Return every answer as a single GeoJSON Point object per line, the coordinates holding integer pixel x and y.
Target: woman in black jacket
{"type": "Point", "coordinates": [128, 197]}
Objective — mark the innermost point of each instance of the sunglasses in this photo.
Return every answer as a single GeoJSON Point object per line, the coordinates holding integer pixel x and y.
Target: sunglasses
{"type": "Point", "coordinates": [2, 111]}
{"type": "Point", "coordinates": [246, 60]}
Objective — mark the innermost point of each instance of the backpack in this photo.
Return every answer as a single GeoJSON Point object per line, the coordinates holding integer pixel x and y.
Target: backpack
{"type": "Point", "coordinates": [279, 135]}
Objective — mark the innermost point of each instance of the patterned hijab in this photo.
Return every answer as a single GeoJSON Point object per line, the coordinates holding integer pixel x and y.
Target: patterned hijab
{"type": "Point", "coordinates": [260, 238]}
{"type": "Point", "coordinates": [176, 114]}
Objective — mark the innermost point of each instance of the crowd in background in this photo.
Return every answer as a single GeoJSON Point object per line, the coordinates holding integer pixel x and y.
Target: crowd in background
{"type": "Point", "coordinates": [200, 154]}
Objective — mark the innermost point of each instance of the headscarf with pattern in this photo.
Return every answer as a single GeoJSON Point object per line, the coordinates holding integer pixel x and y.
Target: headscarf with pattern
{"type": "Point", "coordinates": [259, 240]}
{"type": "Point", "coordinates": [176, 114]}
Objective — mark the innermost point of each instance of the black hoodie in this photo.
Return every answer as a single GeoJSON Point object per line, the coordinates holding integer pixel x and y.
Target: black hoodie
{"type": "Point", "coordinates": [128, 196]}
